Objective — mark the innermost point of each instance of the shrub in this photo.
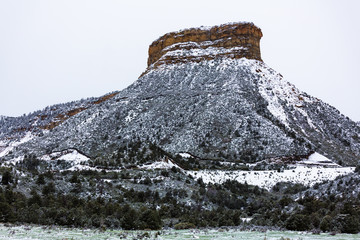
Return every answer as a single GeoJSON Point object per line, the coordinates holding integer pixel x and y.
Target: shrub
{"type": "Point", "coordinates": [184, 225]}
{"type": "Point", "coordinates": [6, 178]}
{"type": "Point", "coordinates": [298, 222]}
{"type": "Point", "coordinates": [40, 180]}
{"type": "Point", "coordinates": [150, 220]}
{"type": "Point", "coordinates": [351, 224]}
{"type": "Point", "coordinates": [165, 173]}
{"type": "Point", "coordinates": [325, 223]}
{"type": "Point", "coordinates": [74, 178]}
{"type": "Point", "coordinates": [129, 221]}
{"type": "Point", "coordinates": [147, 181]}
{"type": "Point", "coordinates": [49, 188]}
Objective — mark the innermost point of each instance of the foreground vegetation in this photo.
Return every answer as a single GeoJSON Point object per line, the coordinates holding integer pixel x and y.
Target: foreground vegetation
{"type": "Point", "coordinates": [132, 198]}
{"type": "Point", "coordinates": [149, 211]}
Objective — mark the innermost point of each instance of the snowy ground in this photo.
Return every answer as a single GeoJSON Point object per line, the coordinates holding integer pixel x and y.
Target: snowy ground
{"type": "Point", "coordinates": [317, 168]}
{"type": "Point", "coordinates": [67, 155]}
{"type": "Point", "coordinates": [163, 164]}
{"type": "Point", "coordinates": [267, 179]}
{"type": "Point", "coordinates": [52, 232]}
{"type": "Point", "coordinates": [316, 159]}
{"type": "Point", "coordinates": [6, 148]}
{"type": "Point", "coordinates": [78, 161]}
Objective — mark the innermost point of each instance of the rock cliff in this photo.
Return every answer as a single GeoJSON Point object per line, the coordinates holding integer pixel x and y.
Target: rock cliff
{"type": "Point", "coordinates": [234, 40]}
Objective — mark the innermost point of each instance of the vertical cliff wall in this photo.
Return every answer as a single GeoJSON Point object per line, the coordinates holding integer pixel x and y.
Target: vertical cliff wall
{"type": "Point", "coordinates": [234, 40]}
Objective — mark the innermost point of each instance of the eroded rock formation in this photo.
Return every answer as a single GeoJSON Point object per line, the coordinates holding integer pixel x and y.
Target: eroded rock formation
{"type": "Point", "coordinates": [234, 40]}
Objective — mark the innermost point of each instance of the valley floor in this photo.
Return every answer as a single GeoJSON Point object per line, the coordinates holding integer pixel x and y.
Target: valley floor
{"type": "Point", "coordinates": [12, 232]}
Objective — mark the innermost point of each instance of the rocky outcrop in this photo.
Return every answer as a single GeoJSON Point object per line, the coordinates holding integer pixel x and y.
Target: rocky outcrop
{"type": "Point", "coordinates": [235, 40]}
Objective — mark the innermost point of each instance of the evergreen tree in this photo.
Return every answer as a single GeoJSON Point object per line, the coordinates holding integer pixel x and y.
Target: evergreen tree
{"type": "Point", "coordinates": [40, 180]}
{"type": "Point", "coordinates": [6, 178]}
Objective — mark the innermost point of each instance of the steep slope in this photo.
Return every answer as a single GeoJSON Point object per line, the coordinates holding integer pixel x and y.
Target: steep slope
{"type": "Point", "coordinates": [205, 94]}
{"type": "Point", "coordinates": [17, 130]}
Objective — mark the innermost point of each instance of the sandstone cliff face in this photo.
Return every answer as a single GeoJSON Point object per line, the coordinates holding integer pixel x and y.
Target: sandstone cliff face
{"type": "Point", "coordinates": [235, 40]}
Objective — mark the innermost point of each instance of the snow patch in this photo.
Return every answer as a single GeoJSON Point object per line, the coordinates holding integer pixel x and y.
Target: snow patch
{"type": "Point", "coordinates": [248, 219]}
{"type": "Point", "coordinates": [185, 155]}
{"type": "Point", "coordinates": [278, 93]}
{"type": "Point", "coordinates": [13, 162]}
{"type": "Point", "coordinates": [80, 167]}
{"type": "Point", "coordinates": [76, 159]}
{"type": "Point", "coordinates": [199, 51]}
{"type": "Point", "coordinates": [74, 156]}
{"type": "Point", "coordinates": [319, 160]}
{"type": "Point", "coordinates": [71, 155]}
{"type": "Point", "coordinates": [164, 164]}
{"type": "Point", "coordinates": [305, 175]}
{"type": "Point", "coordinates": [7, 148]}
{"type": "Point", "coordinates": [131, 115]}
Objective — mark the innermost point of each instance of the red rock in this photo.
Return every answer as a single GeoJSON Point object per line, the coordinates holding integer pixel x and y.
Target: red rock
{"type": "Point", "coordinates": [235, 40]}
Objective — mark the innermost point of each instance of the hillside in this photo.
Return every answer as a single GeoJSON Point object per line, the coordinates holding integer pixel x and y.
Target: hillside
{"type": "Point", "coordinates": [207, 131]}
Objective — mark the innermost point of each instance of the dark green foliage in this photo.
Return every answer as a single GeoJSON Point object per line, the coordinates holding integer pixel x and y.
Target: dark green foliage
{"type": "Point", "coordinates": [49, 188]}
{"type": "Point", "coordinates": [133, 204]}
{"type": "Point", "coordinates": [68, 210]}
{"type": "Point", "coordinates": [165, 173]}
{"type": "Point", "coordinates": [6, 178]}
{"type": "Point", "coordinates": [285, 201]}
{"type": "Point", "coordinates": [232, 198]}
{"type": "Point", "coordinates": [74, 178]}
{"type": "Point", "coordinates": [129, 221]}
{"type": "Point", "coordinates": [31, 163]}
{"type": "Point", "coordinates": [350, 224]}
{"type": "Point", "coordinates": [184, 225]}
{"type": "Point", "coordinates": [188, 164]}
{"type": "Point", "coordinates": [147, 181]}
{"type": "Point", "coordinates": [325, 224]}
{"type": "Point", "coordinates": [150, 220]}
{"type": "Point", "coordinates": [298, 222]}
{"type": "Point", "coordinates": [326, 213]}
{"type": "Point", "coordinates": [41, 179]}
{"type": "Point", "coordinates": [35, 199]}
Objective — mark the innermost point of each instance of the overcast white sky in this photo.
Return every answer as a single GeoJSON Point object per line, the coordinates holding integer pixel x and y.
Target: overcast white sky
{"type": "Point", "coordinates": [63, 50]}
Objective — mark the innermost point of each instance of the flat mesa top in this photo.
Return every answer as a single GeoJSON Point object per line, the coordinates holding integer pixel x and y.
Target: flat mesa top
{"type": "Point", "coordinates": [228, 26]}
{"type": "Point", "coordinates": [240, 34]}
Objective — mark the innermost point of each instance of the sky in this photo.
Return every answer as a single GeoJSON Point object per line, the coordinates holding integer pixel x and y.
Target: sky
{"type": "Point", "coordinates": [63, 50]}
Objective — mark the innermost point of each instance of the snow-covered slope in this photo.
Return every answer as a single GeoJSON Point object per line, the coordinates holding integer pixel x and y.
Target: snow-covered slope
{"type": "Point", "coordinates": [8, 146]}
{"type": "Point", "coordinates": [307, 176]}
{"type": "Point", "coordinates": [205, 92]}
{"type": "Point", "coordinates": [227, 109]}
{"type": "Point", "coordinates": [315, 169]}
{"type": "Point", "coordinates": [16, 130]}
